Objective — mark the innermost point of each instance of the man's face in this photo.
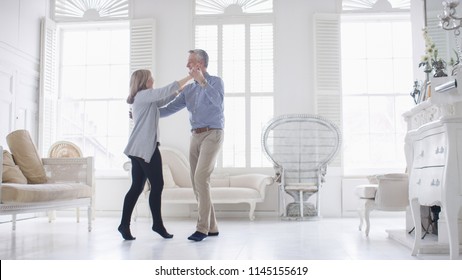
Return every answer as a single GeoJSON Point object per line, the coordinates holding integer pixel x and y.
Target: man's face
{"type": "Point", "coordinates": [193, 62]}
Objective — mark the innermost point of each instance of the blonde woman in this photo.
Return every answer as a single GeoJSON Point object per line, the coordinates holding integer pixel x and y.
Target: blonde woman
{"type": "Point", "coordinates": [142, 147]}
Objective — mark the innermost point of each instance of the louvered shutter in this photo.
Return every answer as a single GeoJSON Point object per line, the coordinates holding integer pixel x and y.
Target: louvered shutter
{"type": "Point", "coordinates": [48, 86]}
{"type": "Point", "coordinates": [439, 36]}
{"type": "Point", "coordinates": [142, 47]}
{"type": "Point", "coordinates": [327, 66]}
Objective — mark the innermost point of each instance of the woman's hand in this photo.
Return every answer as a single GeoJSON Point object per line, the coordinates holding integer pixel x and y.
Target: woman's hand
{"type": "Point", "coordinates": [182, 83]}
{"type": "Point", "coordinates": [197, 75]}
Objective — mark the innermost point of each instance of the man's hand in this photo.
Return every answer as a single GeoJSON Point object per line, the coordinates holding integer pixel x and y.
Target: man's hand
{"type": "Point", "coordinates": [197, 75]}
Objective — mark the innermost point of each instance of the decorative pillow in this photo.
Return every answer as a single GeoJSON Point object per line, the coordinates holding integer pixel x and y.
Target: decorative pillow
{"type": "Point", "coordinates": [11, 172]}
{"type": "Point", "coordinates": [25, 155]}
{"type": "Point", "coordinates": [168, 177]}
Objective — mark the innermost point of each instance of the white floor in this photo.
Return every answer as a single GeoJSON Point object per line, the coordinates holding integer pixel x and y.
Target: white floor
{"type": "Point", "coordinates": [240, 239]}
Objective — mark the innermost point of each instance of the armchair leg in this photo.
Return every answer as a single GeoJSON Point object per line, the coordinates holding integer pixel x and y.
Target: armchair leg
{"type": "Point", "coordinates": [89, 217]}
{"type": "Point", "coordinates": [364, 210]}
{"type": "Point", "coordinates": [77, 213]}
{"type": "Point", "coordinates": [282, 201]}
{"type": "Point", "coordinates": [51, 215]}
{"type": "Point", "coordinates": [301, 204]}
{"type": "Point", "coordinates": [361, 219]}
{"type": "Point", "coordinates": [367, 211]}
{"type": "Point", "coordinates": [13, 222]}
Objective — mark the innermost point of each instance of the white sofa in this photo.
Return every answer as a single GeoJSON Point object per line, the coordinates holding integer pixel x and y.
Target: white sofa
{"type": "Point", "coordinates": [225, 189]}
{"type": "Point", "coordinates": [70, 184]}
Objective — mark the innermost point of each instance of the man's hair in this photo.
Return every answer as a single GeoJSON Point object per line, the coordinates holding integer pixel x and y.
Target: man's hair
{"type": "Point", "coordinates": [201, 55]}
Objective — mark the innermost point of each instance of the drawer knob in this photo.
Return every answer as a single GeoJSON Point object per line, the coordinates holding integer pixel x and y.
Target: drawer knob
{"type": "Point", "coordinates": [419, 182]}
{"type": "Point", "coordinates": [435, 182]}
{"type": "Point", "coordinates": [422, 153]}
{"type": "Point", "coordinates": [439, 150]}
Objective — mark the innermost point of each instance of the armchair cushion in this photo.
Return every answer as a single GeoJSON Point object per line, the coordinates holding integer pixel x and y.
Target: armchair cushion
{"type": "Point", "coordinates": [387, 192]}
{"type": "Point", "coordinates": [26, 156]}
{"type": "Point", "coordinates": [366, 191]}
{"type": "Point", "coordinates": [11, 172]}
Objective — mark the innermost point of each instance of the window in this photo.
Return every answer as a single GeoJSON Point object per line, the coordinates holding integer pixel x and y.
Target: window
{"type": "Point", "coordinates": [241, 52]}
{"type": "Point", "coordinates": [88, 10]}
{"type": "Point", "coordinates": [85, 73]}
{"type": "Point", "coordinates": [376, 78]}
{"type": "Point", "coordinates": [358, 5]}
{"type": "Point", "coordinates": [94, 73]}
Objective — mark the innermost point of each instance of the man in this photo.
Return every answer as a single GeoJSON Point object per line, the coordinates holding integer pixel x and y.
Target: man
{"type": "Point", "coordinates": [204, 101]}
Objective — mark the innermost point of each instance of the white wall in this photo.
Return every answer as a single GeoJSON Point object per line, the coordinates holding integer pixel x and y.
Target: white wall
{"type": "Point", "coordinates": [294, 69]}
{"type": "Point", "coordinates": [294, 74]}
{"type": "Point", "coordinates": [19, 65]}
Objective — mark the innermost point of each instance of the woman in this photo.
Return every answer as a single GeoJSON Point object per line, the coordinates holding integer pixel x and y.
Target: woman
{"type": "Point", "coordinates": [142, 147]}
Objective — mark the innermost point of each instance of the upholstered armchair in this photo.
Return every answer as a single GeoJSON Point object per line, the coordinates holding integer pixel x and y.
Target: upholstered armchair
{"type": "Point", "coordinates": [388, 192]}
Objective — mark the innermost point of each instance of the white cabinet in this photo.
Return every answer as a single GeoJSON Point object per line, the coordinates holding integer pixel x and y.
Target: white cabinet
{"type": "Point", "coordinates": [434, 158]}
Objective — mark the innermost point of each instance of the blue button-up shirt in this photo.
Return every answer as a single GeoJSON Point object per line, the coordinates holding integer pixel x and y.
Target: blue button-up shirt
{"type": "Point", "coordinates": [205, 104]}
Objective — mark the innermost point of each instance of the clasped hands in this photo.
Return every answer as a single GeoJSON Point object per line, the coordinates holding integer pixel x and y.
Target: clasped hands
{"type": "Point", "coordinates": [197, 75]}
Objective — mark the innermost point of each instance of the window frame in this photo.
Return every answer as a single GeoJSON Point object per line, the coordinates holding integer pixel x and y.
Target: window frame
{"type": "Point", "coordinates": [371, 17]}
{"type": "Point", "coordinates": [247, 20]}
{"type": "Point", "coordinates": [85, 26]}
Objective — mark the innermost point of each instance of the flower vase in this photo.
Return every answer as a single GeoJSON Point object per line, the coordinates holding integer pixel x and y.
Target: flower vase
{"type": "Point", "coordinates": [440, 69]}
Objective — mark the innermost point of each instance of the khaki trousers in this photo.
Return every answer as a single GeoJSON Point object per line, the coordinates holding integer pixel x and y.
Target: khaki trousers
{"type": "Point", "coordinates": [203, 151]}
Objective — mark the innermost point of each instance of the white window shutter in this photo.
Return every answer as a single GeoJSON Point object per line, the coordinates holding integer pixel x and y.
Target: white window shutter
{"type": "Point", "coordinates": [327, 65]}
{"type": "Point", "coordinates": [142, 47]}
{"type": "Point", "coordinates": [439, 37]}
{"type": "Point", "coordinates": [48, 86]}
{"type": "Point", "coordinates": [142, 44]}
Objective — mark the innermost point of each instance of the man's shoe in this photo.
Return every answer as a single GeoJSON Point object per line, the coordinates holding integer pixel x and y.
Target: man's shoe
{"type": "Point", "coordinates": [213, 233]}
{"type": "Point", "coordinates": [197, 236]}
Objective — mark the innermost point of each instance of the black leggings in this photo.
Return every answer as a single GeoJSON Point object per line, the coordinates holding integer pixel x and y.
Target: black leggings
{"type": "Point", "coordinates": [141, 171]}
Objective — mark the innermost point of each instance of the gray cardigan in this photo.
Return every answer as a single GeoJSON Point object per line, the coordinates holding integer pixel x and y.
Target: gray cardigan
{"type": "Point", "coordinates": [145, 112]}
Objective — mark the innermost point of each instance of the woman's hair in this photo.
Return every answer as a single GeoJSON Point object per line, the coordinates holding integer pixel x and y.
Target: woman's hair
{"type": "Point", "coordinates": [137, 82]}
{"type": "Point", "coordinates": [201, 55]}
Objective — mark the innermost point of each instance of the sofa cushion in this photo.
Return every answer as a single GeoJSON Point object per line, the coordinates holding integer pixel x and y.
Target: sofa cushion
{"type": "Point", "coordinates": [219, 180]}
{"type": "Point", "coordinates": [26, 193]}
{"type": "Point", "coordinates": [168, 177]}
{"type": "Point", "coordinates": [366, 191]}
{"type": "Point", "coordinates": [11, 172]}
{"type": "Point", "coordinates": [236, 194]}
{"type": "Point", "coordinates": [178, 195]}
{"type": "Point", "coordinates": [25, 155]}
{"type": "Point", "coordinates": [219, 195]}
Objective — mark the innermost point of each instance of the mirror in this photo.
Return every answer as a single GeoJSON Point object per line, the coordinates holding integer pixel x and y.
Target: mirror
{"type": "Point", "coordinates": [445, 40]}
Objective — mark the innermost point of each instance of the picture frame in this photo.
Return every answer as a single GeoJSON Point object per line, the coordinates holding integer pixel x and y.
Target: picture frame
{"type": "Point", "coordinates": [426, 90]}
{"type": "Point", "coordinates": [423, 89]}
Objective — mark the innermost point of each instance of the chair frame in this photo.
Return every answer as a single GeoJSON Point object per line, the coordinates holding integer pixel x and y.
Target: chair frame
{"type": "Point", "coordinates": [319, 168]}
{"type": "Point", "coordinates": [55, 148]}
{"type": "Point", "coordinates": [385, 199]}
